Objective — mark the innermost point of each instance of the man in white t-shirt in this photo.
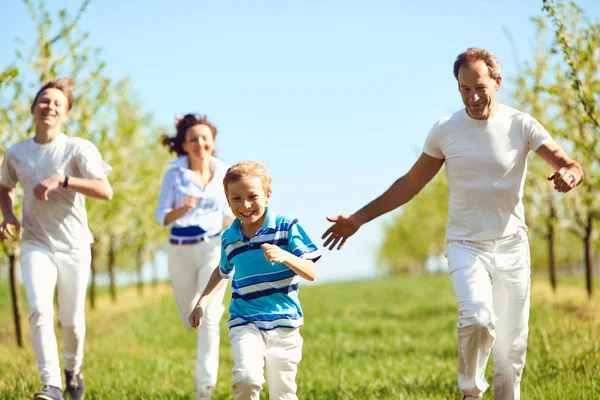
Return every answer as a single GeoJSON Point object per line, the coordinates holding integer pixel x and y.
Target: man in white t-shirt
{"type": "Point", "coordinates": [485, 147]}
{"type": "Point", "coordinates": [56, 172]}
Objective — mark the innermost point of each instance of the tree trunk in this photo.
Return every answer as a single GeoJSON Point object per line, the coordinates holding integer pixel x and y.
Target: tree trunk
{"type": "Point", "coordinates": [140, 262]}
{"type": "Point", "coordinates": [16, 297]}
{"type": "Point", "coordinates": [94, 250]}
{"type": "Point", "coordinates": [154, 272]}
{"type": "Point", "coordinates": [111, 270]}
{"type": "Point", "coordinates": [589, 256]}
{"type": "Point", "coordinates": [552, 246]}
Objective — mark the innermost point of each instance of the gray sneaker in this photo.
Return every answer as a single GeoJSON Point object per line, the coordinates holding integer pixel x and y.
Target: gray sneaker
{"type": "Point", "coordinates": [204, 394]}
{"type": "Point", "coordinates": [75, 388]}
{"type": "Point", "coordinates": [48, 393]}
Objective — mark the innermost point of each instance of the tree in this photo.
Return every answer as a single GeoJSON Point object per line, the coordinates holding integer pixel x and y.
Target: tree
{"type": "Point", "coordinates": [137, 160]}
{"type": "Point", "coordinates": [541, 203]}
{"type": "Point", "coordinates": [576, 93]}
{"type": "Point", "coordinates": [418, 230]}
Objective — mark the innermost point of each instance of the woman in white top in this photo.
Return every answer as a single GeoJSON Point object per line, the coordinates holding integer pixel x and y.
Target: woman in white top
{"type": "Point", "coordinates": [192, 202]}
{"type": "Point", "coordinates": [56, 172]}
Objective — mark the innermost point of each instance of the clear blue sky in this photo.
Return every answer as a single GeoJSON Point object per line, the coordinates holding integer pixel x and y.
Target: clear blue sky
{"type": "Point", "coordinates": [335, 96]}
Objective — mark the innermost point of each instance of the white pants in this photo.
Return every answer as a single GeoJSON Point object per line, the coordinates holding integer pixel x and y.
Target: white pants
{"type": "Point", "coordinates": [43, 271]}
{"type": "Point", "coordinates": [190, 267]}
{"type": "Point", "coordinates": [491, 280]}
{"type": "Point", "coordinates": [275, 353]}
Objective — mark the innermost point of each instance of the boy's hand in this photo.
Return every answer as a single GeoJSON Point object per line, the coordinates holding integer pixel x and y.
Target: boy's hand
{"type": "Point", "coordinates": [196, 317]}
{"type": "Point", "coordinates": [275, 253]}
{"type": "Point", "coordinates": [42, 190]}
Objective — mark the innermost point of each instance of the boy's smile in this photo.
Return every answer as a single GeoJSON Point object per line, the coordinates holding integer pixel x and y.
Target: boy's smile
{"type": "Point", "coordinates": [248, 202]}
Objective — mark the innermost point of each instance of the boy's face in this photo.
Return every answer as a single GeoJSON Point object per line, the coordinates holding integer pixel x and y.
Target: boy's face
{"type": "Point", "coordinates": [248, 200]}
{"type": "Point", "coordinates": [51, 108]}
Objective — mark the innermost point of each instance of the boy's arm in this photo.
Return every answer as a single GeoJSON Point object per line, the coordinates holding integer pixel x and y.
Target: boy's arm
{"type": "Point", "coordinates": [304, 268]}
{"type": "Point", "coordinates": [215, 283]}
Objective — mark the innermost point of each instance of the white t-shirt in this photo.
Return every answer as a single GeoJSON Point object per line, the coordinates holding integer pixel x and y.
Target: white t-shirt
{"type": "Point", "coordinates": [486, 162]}
{"type": "Point", "coordinates": [60, 223]}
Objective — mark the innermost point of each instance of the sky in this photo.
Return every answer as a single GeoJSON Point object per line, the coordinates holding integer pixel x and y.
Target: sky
{"type": "Point", "coordinates": [336, 97]}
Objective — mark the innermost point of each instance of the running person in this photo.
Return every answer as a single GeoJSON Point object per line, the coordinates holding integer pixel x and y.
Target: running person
{"type": "Point", "coordinates": [485, 147]}
{"type": "Point", "coordinates": [57, 172]}
{"type": "Point", "coordinates": [193, 203]}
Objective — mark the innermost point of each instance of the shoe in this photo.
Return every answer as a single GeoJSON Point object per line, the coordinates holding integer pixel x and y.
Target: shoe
{"type": "Point", "coordinates": [48, 393]}
{"type": "Point", "coordinates": [75, 388]}
{"type": "Point", "coordinates": [204, 394]}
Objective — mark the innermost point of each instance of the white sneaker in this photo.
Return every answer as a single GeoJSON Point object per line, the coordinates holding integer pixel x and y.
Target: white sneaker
{"type": "Point", "coordinates": [204, 394]}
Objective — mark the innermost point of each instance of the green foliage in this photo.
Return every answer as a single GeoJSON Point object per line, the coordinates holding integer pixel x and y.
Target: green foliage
{"type": "Point", "coordinates": [104, 112]}
{"type": "Point", "coordinates": [561, 88]}
{"type": "Point", "coordinates": [578, 38]}
{"type": "Point", "coordinates": [9, 73]}
{"type": "Point", "coordinates": [417, 230]}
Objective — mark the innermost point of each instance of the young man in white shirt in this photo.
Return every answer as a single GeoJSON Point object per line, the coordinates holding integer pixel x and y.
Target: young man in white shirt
{"type": "Point", "coordinates": [56, 172]}
{"type": "Point", "coordinates": [485, 147]}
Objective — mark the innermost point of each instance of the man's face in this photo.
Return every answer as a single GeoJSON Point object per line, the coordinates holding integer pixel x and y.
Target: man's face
{"type": "Point", "coordinates": [478, 89]}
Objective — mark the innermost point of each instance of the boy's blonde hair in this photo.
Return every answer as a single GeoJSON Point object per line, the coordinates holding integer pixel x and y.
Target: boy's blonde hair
{"type": "Point", "coordinates": [247, 168]}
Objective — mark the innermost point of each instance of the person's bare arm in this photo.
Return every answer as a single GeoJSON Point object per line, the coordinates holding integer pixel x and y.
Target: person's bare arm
{"type": "Point", "coordinates": [96, 188]}
{"type": "Point", "coordinates": [7, 198]}
{"type": "Point", "coordinates": [404, 189]}
{"type": "Point", "coordinates": [215, 283]}
{"type": "Point", "coordinates": [304, 268]}
{"type": "Point", "coordinates": [189, 203]}
{"type": "Point", "coordinates": [568, 172]}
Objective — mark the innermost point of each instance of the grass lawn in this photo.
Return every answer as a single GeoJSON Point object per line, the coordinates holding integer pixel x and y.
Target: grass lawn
{"type": "Point", "coordinates": [392, 338]}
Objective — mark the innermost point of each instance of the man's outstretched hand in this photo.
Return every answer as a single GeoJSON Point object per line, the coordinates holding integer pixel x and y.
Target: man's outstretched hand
{"type": "Point", "coordinates": [343, 227]}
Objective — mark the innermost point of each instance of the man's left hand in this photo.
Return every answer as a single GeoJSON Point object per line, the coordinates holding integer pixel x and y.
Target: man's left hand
{"type": "Point", "coordinates": [565, 179]}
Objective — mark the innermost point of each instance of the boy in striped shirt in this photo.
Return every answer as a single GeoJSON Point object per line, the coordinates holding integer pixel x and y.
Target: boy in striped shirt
{"type": "Point", "coordinates": [265, 254]}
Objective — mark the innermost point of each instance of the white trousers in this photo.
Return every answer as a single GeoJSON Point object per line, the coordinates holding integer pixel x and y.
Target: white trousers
{"type": "Point", "coordinates": [491, 281]}
{"type": "Point", "coordinates": [190, 267]}
{"type": "Point", "coordinates": [44, 271]}
{"type": "Point", "coordinates": [256, 353]}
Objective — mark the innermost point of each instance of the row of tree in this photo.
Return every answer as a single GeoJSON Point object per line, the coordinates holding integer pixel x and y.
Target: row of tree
{"type": "Point", "coordinates": [560, 88]}
{"type": "Point", "coordinates": [106, 113]}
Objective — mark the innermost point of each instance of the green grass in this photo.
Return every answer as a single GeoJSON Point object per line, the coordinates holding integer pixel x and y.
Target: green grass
{"type": "Point", "coordinates": [383, 339]}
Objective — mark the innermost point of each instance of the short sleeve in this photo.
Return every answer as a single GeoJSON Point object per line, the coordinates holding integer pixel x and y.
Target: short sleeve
{"type": "Point", "coordinates": [89, 161]}
{"type": "Point", "coordinates": [432, 143]}
{"type": "Point", "coordinates": [226, 269]}
{"type": "Point", "coordinates": [535, 133]}
{"type": "Point", "coordinates": [300, 244]}
{"type": "Point", "coordinates": [8, 174]}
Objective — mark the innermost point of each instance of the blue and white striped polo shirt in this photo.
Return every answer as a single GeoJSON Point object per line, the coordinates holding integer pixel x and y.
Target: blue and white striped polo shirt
{"type": "Point", "coordinates": [264, 293]}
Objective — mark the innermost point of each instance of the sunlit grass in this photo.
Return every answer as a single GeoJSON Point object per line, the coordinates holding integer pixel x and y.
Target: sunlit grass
{"type": "Point", "coordinates": [383, 339]}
